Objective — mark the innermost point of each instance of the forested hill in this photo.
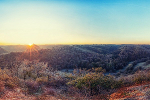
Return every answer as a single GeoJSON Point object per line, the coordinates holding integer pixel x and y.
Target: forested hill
{"type": "Point", "coordinates": [110, 57]}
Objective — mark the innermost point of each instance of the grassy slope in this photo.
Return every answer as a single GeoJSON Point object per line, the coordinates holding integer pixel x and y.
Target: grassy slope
{"type": "Point", "coordinates": [136, 92]}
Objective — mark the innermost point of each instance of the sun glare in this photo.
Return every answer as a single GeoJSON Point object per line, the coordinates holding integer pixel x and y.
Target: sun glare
{"type": "Point", "coordinates": [30, 44]}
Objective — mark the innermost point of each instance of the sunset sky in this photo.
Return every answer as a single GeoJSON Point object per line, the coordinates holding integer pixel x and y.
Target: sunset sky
{"type": "Point", "coordinates": [74, 22]}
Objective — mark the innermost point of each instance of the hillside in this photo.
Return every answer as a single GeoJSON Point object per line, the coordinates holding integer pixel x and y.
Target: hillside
{"type": "Point", "coordinates": [110, 57]}
{"type": "Point", "coordinates": [2, 51]}
{"type": "Point", "coordinates": [76, 71]}
{"type": "Point", "coordinates": [15, 48]}
{"type": "Point", "coordinates": [135, 92]}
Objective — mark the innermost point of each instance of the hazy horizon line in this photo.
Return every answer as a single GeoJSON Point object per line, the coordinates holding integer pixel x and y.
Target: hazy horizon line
{"type": "Point", "coordinates": [79, 44]}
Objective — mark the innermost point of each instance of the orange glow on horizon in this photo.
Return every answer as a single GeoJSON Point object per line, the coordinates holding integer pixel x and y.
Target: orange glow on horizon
{"type": "Point", "coordinates": [76, 43]}
{"type": "Point", "coordinates": [30, 44]}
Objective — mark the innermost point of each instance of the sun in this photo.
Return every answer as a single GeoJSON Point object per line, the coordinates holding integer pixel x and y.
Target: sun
{"type": "Point", "coordinates": [30, 44]}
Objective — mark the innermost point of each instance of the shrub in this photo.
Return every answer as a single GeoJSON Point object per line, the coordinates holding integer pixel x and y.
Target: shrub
{"type": "Point", "coordinates": [10, 84]}
{"type": "Point", "coordinates": [57, 82]}
{"type": "Point", "coordinates": [2, 87]}
{"type": "Point", "coordinates": [9, 81]}
{"type": "Point", "coordinates": [136, 78]}
{"type": "Point", "coordinates": [42, 79]}
{"type": "Point", "coordinates": [32, 86]}
{"type": "Point", "coordinates": [140, 77]}
{"type": "Point", "coordinates": [70, 77]}
{"type": "Point", "coordinates": [96, 82]}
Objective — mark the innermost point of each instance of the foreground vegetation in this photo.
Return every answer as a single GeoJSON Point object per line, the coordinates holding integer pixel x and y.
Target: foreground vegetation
{"type": "Point", "coordinates": [34, 79]}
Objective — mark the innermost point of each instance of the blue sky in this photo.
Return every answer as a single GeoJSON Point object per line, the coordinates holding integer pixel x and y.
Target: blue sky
{"type": "Point", "coordinates": [74, 22]}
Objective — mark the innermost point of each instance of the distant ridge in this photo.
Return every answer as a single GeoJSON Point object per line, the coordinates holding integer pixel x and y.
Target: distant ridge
{"type": "Point", "coordinates": [2, 51]}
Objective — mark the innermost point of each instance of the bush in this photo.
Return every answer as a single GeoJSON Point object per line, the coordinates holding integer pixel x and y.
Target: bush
{"type": "Point", "coordinates": [32, 86]}
{"type": "Point", "coordinates": [9, 81]}
{"type": "Point", "coordinates": [2, 87]}
{"type": "Point", "coordinates": [42, 79]}
{"type": "Point", "coordinates": [10, 84]}
{"type": "Point", "coordinates": [96, 82]}
{"type": "Point", "coordinates": [57, 82]}
{"type": "Point", "coordinates": [141, 77]}
{"type": "Point", "coordinates": [136, 78]}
